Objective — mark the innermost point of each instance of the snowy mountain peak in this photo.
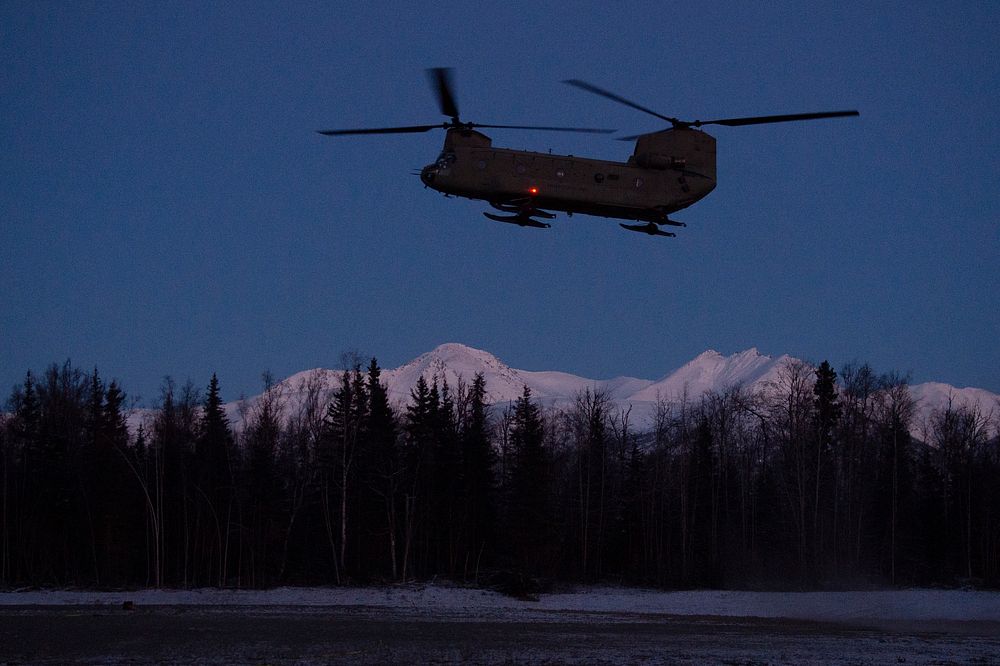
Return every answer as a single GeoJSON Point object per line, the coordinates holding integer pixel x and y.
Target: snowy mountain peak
{"type": "Point", "coordinates": [709, 371]}
{"type": "Point", "coordinates": [453, 363]}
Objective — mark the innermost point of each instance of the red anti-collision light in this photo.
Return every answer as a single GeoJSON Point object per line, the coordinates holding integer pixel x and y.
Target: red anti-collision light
{"type": "Point", "coordinates": [533, 190]}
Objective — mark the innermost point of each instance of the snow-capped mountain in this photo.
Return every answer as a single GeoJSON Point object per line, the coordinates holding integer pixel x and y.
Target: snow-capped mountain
{"type": "Point", "coordinates": [934, 397]}
{"type": "Point", "coordinates": [709, 371]}
{"type": "Point", "coordinates": [453, 362]}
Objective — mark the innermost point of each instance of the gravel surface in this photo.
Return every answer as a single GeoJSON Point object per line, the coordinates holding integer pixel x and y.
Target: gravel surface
{"type": "Point", "coordinates": [378, 635]}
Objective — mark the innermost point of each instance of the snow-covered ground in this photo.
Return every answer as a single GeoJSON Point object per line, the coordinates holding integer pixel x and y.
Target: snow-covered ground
{"type": "Point", "coordinates": [443, 624]}
{"type": "Point", "coordinates": [891, 605]}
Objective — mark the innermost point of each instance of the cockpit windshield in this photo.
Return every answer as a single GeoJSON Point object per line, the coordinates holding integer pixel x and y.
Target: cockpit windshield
{"type": "Point", "coordinates": [445, 159]}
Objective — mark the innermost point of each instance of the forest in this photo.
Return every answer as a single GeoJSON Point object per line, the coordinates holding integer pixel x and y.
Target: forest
{"type": "Point", "coordinates": [816, 483]}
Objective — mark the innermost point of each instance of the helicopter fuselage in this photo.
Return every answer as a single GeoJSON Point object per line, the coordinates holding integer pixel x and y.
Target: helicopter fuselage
{"type": "Point", "coordinates": [668, 171]}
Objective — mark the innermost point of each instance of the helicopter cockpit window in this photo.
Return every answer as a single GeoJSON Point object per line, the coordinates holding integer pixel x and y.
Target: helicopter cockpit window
{"type": "Point", "coordinates": [445, 160]}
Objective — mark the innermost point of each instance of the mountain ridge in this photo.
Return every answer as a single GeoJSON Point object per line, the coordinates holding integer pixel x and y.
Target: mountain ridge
{"type": "Point", "coordinates": [709, 371]}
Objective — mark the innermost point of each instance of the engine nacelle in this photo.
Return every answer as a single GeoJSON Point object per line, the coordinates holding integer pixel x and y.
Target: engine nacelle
{"type": "Point", "coordinates": [659, 161]}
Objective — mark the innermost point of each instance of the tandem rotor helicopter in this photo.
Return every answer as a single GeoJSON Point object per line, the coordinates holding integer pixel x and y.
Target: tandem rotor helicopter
{"type": "Point", "coordinates": [668, 171]}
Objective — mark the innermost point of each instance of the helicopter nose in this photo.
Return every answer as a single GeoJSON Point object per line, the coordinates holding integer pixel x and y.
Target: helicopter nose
{"type": "Point", "coordinates": [428, 173]}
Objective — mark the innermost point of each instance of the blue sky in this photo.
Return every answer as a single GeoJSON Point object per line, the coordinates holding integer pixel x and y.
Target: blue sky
{"type": "Point", "coordinates": [167, 208]}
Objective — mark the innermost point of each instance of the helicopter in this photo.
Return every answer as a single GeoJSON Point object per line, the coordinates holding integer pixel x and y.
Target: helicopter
{"type": "Point", "coordinates": [668, 170]}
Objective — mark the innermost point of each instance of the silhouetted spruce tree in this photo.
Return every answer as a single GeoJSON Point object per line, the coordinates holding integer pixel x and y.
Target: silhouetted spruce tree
{"type": "Point", "coordinates": [90, 465]}
{"type": "Point", "coordinates": [826, 415]}
{"type": "Point", "coordinates": [702, 562]}
{"type": "Point", "coordinates": [261, 487]}
{"type": "Point", "coordinates": [422, 419]}
{"type": "Point", "coordinates": [448, 536]}
{"type": "Point", "coordinates": [213, 456]}
{"type": "Point", "coordinates": [528, 488]}
{"type": "Point", "coordinates": [989, 510]}
{"type": "Point", "coordinates": [479, 462]}
{"type": "Point", "coordinates": [115, 505]}
{"type": "Point", "coordinates": [6, 498]}
{"type": "Point", "coordinates": [24, 431]}
{"type": "Point", "coordinates": [381, 479]}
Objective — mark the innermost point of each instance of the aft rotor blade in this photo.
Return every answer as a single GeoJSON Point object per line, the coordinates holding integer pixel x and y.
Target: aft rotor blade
{"type": "Point", "coordinates": [760, 120]}
{"type": "Point", "coordinates": [441, 82]}
{"type": "Point", "coordinates": [382, 130]}
{"type": "Point", "coordinates": [588, 130]}
{"type": "Point", "coordinates": [589, 87]}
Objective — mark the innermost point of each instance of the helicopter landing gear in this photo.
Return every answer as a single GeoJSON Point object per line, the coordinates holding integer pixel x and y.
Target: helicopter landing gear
{"type": "Point", "coordinates": [519, 220]}
{"type": "Point", "coordinates": [672, 223]}
{"type": "Point", "coordinates": [648, 228]}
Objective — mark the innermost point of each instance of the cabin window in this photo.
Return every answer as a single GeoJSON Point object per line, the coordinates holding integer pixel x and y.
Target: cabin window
{"type": "Point", "coordinates": [560, 173]}
{"type": "Point", "coordinates": [481, 164]}
{"type": "Point", "coordinates": [638, 183]}
{"type": "Point", "coordinates": [598, 177]}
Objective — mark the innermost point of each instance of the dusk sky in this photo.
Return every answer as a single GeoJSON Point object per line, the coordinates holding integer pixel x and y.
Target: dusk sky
{"type": "Point", "coordinates": [167, 207]}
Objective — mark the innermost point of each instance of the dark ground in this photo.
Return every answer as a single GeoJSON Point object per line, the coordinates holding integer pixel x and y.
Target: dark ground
{"type": "Point", "coordinates": [306, 635]}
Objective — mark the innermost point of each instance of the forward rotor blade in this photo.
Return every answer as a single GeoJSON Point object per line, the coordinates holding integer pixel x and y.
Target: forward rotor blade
{"type": "Point", "coordinates": [441, 82]}
{"type": "Point", "coordinates": [760, 120]}
{"type": "Point", "coordinates": [587, 130]}
{"type": "Point", "coordinates": [382, 130]}
{"type": "Point", "coordinates": [583, 85]}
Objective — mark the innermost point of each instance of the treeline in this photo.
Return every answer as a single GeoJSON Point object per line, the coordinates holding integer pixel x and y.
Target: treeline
{"type": "Point", "coordinates": [813, 483]}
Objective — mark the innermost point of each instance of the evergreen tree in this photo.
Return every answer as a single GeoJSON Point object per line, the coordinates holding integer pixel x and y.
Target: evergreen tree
{"type": "Point", "coordinates": [479, 460]}
{"type": "Point", "coordinates": [262, 486]}
{"type": "Point", "coordinates": [214, 459]}
{"type": "Point", "coordinates": [381, 476]}
{"type": "Point", "coordinates": [447, 482]}
{"type": "Point", "coordinates": [826, 414]}
{"type": "Point", "coordinates": [825, 405]}
{"type": "Point", "coordinates": [215, 438]}
{"type": "Point", "coordinates": [95, 412]}
{"type": "Point", "coordinates": [529, 485]}
{"type": "Point", "coordinates": [701, 556]}
{"type": "Point", "coordinates": [114, 417]}
{"type": "Point", "coordinates": [423, 422]}
{"type": "Point", "coordinates": [109, 495]}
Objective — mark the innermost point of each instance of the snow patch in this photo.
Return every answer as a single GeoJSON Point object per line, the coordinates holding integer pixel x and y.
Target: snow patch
{"type": "Point", "coordinates": [923, 605]}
